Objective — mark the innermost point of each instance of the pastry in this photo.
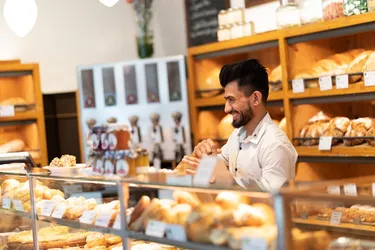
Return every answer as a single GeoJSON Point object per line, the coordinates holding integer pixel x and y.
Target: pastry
{"type": "Point", "coordinates": [112, 239]}
{"type": "Point", "coordinates": [95, 239]}
{"type": "Point", "coordinates": [358, 128]}
{"type": "Point", "coordinates": [357, 66]}
{"type": "Point", "coordinates": [116, 246]}
{"type": "Point", "coordinates": [64, 161]}
{"type": "Point", "coordinates": [267, 213]}
{"type": "Point", "coordinates": [247, 215]}
{"type": "Point", "coordinates": [179, 214]}
{"type": "Point", "coordinates": [186, 198]}
{"type": "Point", "coordinates": [12, 146]}
{"type": "Point", "coordinates": [230, 200]}
{"type": "Point", "coordinates": [139, 208]}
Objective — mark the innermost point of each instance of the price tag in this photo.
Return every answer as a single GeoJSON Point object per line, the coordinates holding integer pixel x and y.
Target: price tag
{"type": "Point", "coordinates": [250, 243]}
{"type": "Point", "coordinates": [350, 189]}
{"type": "Point", "coordinates": [205, 170]}
{"type": "Point", "coordinates": [298, 86]}
{"type": "Point", "coordinates": [117, 223]}
{"type": "Point", "coordinates": [6, 203]}
{"type": "Point", "coordinates": [7, 111]}
{"type": "Point", "coordinates": [156, 228]}
{"type": "Point", "coordinates": [373, 189]}
{"type": "Point", "coordinates": [71, 189]}
{"type": "Point", "coordinates": [18, 205]}
{"type": "Point", "coordinates": [48, 207]}
{"type": "Point", "coordinates": [325, 83]}
{"type": "Point", "coordinates": [176, 232]}
{"type": "Point", "coordinates": [369, 78]}
{"type": "Point", "coordinates": [186, 180]}
{"type": "Point", "coordinates": [87, 217]}
{"type": "Point", "coordinates": [342, 82]}
{"type": "Point", "coordinates": [103, 220]}
{"type": "Point", "coordinates": [336, 218]}
{"type": "Point", "coordinates": [325, 143]}
{"type": "Point", "coordinates": [335, 190]}
{"type": "Point", "coordinates": [59, 211]}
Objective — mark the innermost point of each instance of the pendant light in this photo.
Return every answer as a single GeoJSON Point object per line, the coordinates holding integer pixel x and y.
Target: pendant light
{"type": "Point", "coordinates": [20, 15]}
{"type": "Point", "coordinates": [109, 3]}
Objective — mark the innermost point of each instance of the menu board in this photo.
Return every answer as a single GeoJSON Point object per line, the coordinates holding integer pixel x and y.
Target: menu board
{"type": "Point", "coordinates": [202, 20]}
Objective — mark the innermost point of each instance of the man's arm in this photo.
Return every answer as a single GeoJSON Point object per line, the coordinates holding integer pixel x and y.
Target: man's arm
{"type": "Point", "coordinates": [278, 165]}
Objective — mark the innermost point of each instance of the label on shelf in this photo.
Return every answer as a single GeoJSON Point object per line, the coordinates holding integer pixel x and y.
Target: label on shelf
{"type": "Point", "coordinates": [336, 218]}
{"type": "Point", "coordinates": [18, 205]}
{"type": "Point", "coordinates": [48, 207]}
{"type": "Point", "coordinates": [249, 243]}
{"type": "Point", "coordinates": [176, 232]}
{"type": "Point", "coordinates": [342, 82]}
{"type": "Point", "coordinates": [298, 86]}
{"type": "Point", "coordinates": [156, 228]}
{"type": "Point", "coordinates": [373, 189]}
{"type": "Point", "coordinates": [335, 190]}
{"type": "Point", "coordinates": [6, 203]}
{"type": "Point", "coordinates": [117, 223]}
{"type": "Point", "coordinates": [87, 217]}
{"type": "Point", "coordinates": [205, 170]}
{"type": "Point", "coordinates": [6, 110]}
{"type": "Point", "coordinates": [325, 143]}
{"type": "Point", "coordinates": [71, 189]}
{"type": "Point", "coordinates": [186, 180]}
{"type": "Point", "coordinates": [369, 78]}
{"type": "Point", "coordinates": [325, 83]}
{"type": "Point", "coordinates": [103, 220]}
{"type": "Point", "coordinates": [350, 189]}
{"type": "Point", "coordinates": [59, 211]}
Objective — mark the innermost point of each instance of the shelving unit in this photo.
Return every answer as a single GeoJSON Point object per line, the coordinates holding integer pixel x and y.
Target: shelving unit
{"type": "Point", "coordinates": [19, 80]}
{"type": "Point", "coordinates": [294, 48]}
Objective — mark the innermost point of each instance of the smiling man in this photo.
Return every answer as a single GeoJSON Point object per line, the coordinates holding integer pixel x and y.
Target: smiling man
{"type": "Point", "coordinates": [257, 150]}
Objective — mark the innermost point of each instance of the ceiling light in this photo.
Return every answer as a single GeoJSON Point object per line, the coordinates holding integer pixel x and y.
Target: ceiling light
{"type": "Point", "coordinates": [108, 3]}
{"type": "Point", "coordinates": [20, 15]}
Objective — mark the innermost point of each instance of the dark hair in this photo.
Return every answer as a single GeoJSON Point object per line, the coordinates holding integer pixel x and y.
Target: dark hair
{"type": "Point", "coordinates": [250, 76]}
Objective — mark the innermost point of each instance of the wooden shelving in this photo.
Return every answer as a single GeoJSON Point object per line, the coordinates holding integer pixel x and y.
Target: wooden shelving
{"type": "Point", "coordinates": [294, 48]}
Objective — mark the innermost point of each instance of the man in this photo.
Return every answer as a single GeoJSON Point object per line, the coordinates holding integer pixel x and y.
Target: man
{"type": "Point", "coordinates": [257, 150]}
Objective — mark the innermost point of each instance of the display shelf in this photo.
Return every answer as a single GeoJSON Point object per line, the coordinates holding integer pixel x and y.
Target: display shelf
{"type": "Point", "coordinates": [182, 244]}
{"type": "Point", "coordinates": [353, 151]}
{"type": "Point", "coordinates": [15, 213]}
{"type": "Point", "coordinates": [317, 224]}
{"type": "Point", "coordinates": [78, 225]}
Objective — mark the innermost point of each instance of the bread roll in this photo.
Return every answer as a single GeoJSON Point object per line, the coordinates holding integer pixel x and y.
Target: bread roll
{"type": "Point", "coordinates": [337, 127]}
{"type": "Point", "coordinates": [219, 236]}
{"type": "Point", "coordinates": [112, 239]}
{"type": "Point", "coordinates": [319, 117]}
{"type": "Point", "coordinates": [179, 214]}
{"type": "Point", "coordinates": [230, 200]}
{"type": "Point", "coordinates": [267, 213]}
{"type": "Point", "coordinates": [358, 127]}
{"type": "Point", "coordinates": [9, 185]}
{"type": "Point", "coordinates": [142, 204]}
{"type": "Point", "coordinates": [275, 75]}
{"type": "Point", "coordinates": [357, 66]}
{"type": "Point", "coordinates": [183, 197]}
{"type": "Point", "coordinates": [247, 215]}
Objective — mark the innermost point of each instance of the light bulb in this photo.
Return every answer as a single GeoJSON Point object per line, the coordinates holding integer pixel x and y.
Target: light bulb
{"type": "Point", "coordinates": [108, 3]}
{"type": "Point", "coordinates": [20, 15]}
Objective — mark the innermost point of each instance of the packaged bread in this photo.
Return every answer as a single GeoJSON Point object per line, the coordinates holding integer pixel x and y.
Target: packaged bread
{"type": "Point", "coordinates": [358, 66]}
{"type": "Point", "coordinates": [358, 128]}
{"type": "Point", "coordinates": [337, 127]}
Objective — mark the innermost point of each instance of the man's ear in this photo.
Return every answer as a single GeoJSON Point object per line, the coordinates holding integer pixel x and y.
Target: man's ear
{"type": "Point", "coordinates": [257, 98]}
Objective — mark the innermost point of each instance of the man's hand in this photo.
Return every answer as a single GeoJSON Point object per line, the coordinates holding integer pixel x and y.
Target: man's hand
{"type": "Point", "coordinates": [206, 147]}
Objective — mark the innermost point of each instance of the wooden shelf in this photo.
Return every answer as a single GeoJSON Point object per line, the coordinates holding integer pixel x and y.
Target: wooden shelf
{"type": "Point", "coordinates": [21, 116]}
{"type": "Point", "coordinates": [312, 223]}
{"type": "Point", "coordinates": [355, 151]}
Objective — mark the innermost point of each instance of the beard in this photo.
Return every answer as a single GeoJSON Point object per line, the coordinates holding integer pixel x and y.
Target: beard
{"type": "Point", "coordinates": [244, 116]}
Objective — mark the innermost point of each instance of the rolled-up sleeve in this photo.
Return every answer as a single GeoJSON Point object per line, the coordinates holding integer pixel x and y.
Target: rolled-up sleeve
{"type": "Point", "coordinates": [278, 163]}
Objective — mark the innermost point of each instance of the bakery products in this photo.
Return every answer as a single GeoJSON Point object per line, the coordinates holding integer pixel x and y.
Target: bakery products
{"type": "Point", "coordinates": [230, 200]}
{"type": "Point", "coordinates": [139, 208]}
{"type": "Point", "coordinates": [64, 161]}
{"type": "Point", "coordinates": [357, 66]}
{"type": "Point", "coordinates": [274, 79]}
{"type": "Point", "coordinates": [186, 198]}
{"type": "Point", "coordinates": [112, 239]}
{"type": "Point", "coordinates": [370, 62]}
{"type": "Point", "coordinates": [266, 212]}
{"type": "Point", "coordinates": [9, 185]}
{"type": "Point", "coordinates": [247, 215]}
{"type": "Point", "coordinates": [337, 127]}
{"type": "Point", "coordinates": [16, 145]}
{"type": "Point", "coordinates": [358, 128]}
{"type": "Point", "coordinates": [179, 214]}
{"type": "Point", "coordinates": [95, 239]}
{"type": "Point", "coordinates": [314, 129]}
{"type": "Point", "coordinates": [371, 132]}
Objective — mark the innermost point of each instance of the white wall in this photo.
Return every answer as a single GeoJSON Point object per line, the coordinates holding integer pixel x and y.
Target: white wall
{"type": "Point", "coordinates": [75, 32]}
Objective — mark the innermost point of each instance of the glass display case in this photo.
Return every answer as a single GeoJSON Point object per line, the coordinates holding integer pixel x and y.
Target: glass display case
{"type": "Point", "coordinates": [161, 210]}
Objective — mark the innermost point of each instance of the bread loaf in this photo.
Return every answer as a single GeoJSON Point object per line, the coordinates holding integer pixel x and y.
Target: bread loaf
{"type": "Point", "coordinates": [12, 146]}
{"type": "Point", "coordinates": [370, 62]}
{"type": "Point", "coordinates": [358, 128]}
{"type": "Point", "coordinates": [139, 208]}
{"type": "Point", "coordinates": [337, 127]}
{"type": "Point", "coordinates": [357, 66]}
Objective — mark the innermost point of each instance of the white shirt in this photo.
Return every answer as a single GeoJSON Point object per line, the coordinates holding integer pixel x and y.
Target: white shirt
{"type": "Point", "coordinates": [267, 156]}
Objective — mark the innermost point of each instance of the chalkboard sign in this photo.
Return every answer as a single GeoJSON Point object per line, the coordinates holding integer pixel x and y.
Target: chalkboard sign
{"type": "Point", "coordinates": [202, 20]}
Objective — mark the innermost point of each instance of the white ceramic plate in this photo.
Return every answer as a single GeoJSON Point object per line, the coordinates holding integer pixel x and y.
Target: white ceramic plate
{"type": "Point", "coordinates": [66, 170]}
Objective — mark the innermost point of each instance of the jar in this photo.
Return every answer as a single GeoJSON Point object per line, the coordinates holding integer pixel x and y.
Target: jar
{"type": "Point", "coordinates": [104, 139]}
{"type": "Point", "coordinates": [230, 16]}
{"type": "Point", "coordinates": [287, 15]}
{"type": "Point", "coordinates": [142, 163]}
{"type": "Point", "coordinates": [109, 164]}
{"type": "Point", "coordinates": [130, 159]}
{"type": "Point", "coordinates": [370, 5]}
{"type": "Point", "coordinates": [236, 31]}
{"type": "Point", "coordinates": [238, 15]}
{"type": "Point", "coordinates": [355, 7]}
{"type": "Point", "coordinates": [118, 137]}
{"type": "Point", "coordinates": [332, 9]}
{"type": "Point", "coordinates": [310, 11]}
{"type": "Point", "coordinates": [99, 164]}
{"type": "Point", "coordinates": [122, 166]}
{"type": "Point", "coordinates": [248, 28]}
{"type": "Point", "coordinates": [95, 137]}
{"type": "Point", "coordinates": [223, 34]}
{"type": "Point", "coordinates": [223, 18]}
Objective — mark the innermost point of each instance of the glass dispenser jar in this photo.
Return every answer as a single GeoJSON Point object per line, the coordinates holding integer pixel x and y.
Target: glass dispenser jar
{"type": "Point", "coordinates": [287, 15]}
{"type": "Point", "coordinates": [310, 11]}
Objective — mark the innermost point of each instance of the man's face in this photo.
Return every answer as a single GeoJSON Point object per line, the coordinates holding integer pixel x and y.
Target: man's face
{"type": "Point", "coordinates": [238, 105]}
